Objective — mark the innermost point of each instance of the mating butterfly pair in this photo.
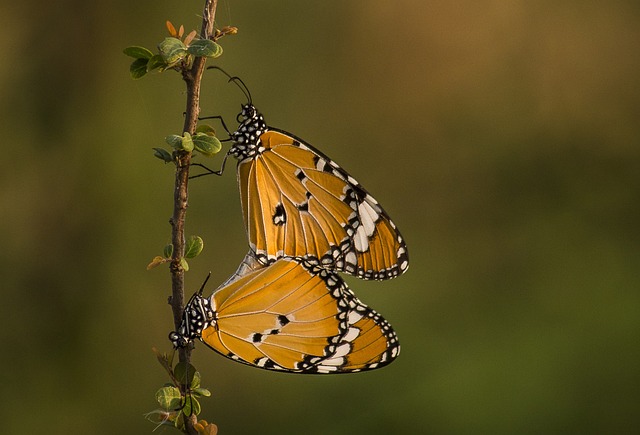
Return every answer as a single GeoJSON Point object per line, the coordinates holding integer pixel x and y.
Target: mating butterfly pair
{"type": "Point", "coordinates": [286, 308]}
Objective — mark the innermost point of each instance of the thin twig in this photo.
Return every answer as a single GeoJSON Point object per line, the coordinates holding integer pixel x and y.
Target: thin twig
{"type": "Point", "coordinates": [192, 78]}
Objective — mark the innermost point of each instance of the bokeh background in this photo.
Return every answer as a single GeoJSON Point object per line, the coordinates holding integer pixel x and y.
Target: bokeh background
{"type": "Point", "coordinates": [502, 136]}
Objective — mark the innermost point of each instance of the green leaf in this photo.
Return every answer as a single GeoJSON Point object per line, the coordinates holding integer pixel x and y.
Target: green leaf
{"type": "Point", "coordinates": [187, 142]}
{"type": "Point", "coordinates": [201, 392]}
{"type": "Point", "coordinates": [196, 408]}
{"type": "Point", "coordinates": [184, 373]}
{"type": "Point", "coordinates": [194, 247]}
{"type": "Point", "coordinates": [184, 264]}
{"type": "Point", "coordinates": [169, 397]}
{"type": "Point", "coordinates": [138, 52]}
{"type": "Point", "coordinates": [195, 382]}
{"type": "Point", "coordinates": [206, 144]}
{"type": "Point", "coordinates": [204, 48]}
{"type": "Point", "coordinates": [191, 406]}
{"type": "Point", "coordinates": [179, 422]}
{"type": "Point", "coordinates": [163, 155]}
{"type": "Point", "coordinates": [172, 50]}
{"type": "Point", "coordinates": [168, 250]}
{"type": "Point", "coordinates": [206, 129]}
{"type": "Point", "coordinates": [174, 140]}
{"type": "Point", "coordinates": [156, 62]}
{"type": "Point", "coordinates": [138, 68]}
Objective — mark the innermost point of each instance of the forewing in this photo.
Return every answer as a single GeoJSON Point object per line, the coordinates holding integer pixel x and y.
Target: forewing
{"type": "Point", "coordinates": [297, 202]}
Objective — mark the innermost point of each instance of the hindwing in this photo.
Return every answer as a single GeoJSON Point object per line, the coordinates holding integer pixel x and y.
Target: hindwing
{"type": "Point", "coordinates": [291, 316]}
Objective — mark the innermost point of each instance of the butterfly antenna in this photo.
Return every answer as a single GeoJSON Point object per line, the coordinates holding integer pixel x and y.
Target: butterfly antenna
{"type": "Point", "coordinates": [204, 284]}
{"type": "Point", "coordinates": [238, 82]}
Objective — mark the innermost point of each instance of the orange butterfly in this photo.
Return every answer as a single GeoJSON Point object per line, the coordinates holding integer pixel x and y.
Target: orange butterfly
{"type": "Point", "coordinates": [297, 202]}
{"type": "Point", "coordinates": [292, 316]}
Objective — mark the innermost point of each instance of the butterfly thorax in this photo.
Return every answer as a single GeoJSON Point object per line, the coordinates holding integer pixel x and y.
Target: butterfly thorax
{"type": "Point", "coordinates": [197, 316]}
{"type": "Point", "coordinates": [247, 137]}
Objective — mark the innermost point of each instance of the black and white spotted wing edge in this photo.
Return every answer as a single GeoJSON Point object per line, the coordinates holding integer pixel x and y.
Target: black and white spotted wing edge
{"type": "Point", "coordinates": [361, 226]}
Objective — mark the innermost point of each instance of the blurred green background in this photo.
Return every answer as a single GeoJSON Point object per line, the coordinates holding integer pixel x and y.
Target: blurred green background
{"type": "Point", "coordinates": [502, 136]}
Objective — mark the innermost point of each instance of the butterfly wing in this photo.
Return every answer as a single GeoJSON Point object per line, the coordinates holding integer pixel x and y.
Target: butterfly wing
{"type": "Point", "coordinates": [296, 317]}
{"type": "Point", "coordinates": [298, 202]}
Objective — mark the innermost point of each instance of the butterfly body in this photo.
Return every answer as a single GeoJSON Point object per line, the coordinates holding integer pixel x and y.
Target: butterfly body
{"type": "Point", "coordinates": [292, 316]}
{"type": "Point", "coordinates": [298, 202]}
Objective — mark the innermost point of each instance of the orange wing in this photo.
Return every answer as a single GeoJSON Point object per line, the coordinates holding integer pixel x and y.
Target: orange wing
{"type": "Point", "coordinates": [298, 202]}
{"type": "Point", "coordinates": [290, 316]}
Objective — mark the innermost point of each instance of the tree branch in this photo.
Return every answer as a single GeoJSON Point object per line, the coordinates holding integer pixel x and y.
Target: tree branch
{"type": "Point", "coordinates": [192, 78]}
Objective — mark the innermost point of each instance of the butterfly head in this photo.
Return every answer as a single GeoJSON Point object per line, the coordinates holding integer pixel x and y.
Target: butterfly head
{"type": "Point", "coordinates": [197, 316]}
{"type": "Point", "coordinates": [251, 126]}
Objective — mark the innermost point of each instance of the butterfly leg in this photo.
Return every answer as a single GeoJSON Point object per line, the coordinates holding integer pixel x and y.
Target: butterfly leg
{"type": "Point", "coordinates": [221, 122]}
{"type": "Point", "coordinates": [210, 171]}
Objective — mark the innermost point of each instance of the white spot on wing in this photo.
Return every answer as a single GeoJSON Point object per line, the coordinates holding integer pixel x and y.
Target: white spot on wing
{"type": "Point", "coordinates": [342, 350]}
{"type": "Point", "coordinates": [351, 258]}
{"type": "Point", "coordinates": [354, 317]}
{"type": "Point", "coordinates": [352, 334]}
{"type": "Point", "coordinates": [361, 240]}
{"type": "Point", "coordinates": [332, 362]}
{"type": "Point", "coordinates": [368, 217]}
